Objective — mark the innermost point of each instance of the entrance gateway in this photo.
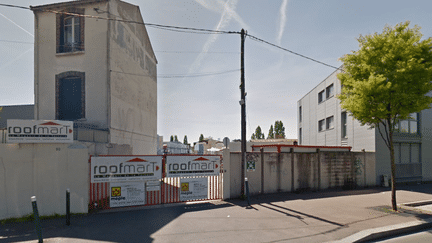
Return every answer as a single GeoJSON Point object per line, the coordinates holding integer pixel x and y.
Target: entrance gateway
{"type": "Point", "coordinates": [129, 180]}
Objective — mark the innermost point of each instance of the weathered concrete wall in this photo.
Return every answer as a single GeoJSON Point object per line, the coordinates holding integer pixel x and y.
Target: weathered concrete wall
{"type": "Point", "coordinates": [287, 171]}
{"type": "Point", "coordinates": [92, 61]}
{"type": "Point", "coordinates": [44, 171]}
{"type": "Point", "coordinates": [133, 82]}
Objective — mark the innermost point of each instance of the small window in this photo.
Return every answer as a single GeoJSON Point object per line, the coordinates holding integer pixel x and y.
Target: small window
{"type": "Point", "coordinates": [344, 124]}
{"type": "Point", "coordinates": [321, 96]}
{"type": "Point", "coordinates": [321, 125]}
{"type": "Point", "coordinates": [330, 122]}
{"type": "Point", "coordinates": [409, 125]}
{"type": "Point", "coordinates": [300, 135]}
{"type": "Point", "coordinates": [70, 31]}
{"type": "Point", "coordinates": [300, 113]}
{"type": "Point", "coordinates": [329, 91]}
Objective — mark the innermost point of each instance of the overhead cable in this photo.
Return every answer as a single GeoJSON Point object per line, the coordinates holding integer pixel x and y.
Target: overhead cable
{"type": "Point", "coordinates": [295, 53]}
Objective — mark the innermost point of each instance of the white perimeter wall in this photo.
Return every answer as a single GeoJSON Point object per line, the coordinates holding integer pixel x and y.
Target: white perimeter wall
{"type": "Point", "coordinates": [44, 171]}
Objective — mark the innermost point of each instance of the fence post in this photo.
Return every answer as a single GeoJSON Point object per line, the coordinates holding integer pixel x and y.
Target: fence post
{"type": "Point", "coordinates": [262, 170]}
{"type": "Point", "coordinates": [292, 169]}
{"type": "Point", "coordinates": [247, 191]}
{"type": "Point", "coordinates": [36, 219]}
{"type": "Point", "coordinates": [67, 207]}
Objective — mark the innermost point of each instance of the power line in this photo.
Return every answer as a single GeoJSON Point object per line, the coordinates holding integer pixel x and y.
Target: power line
{"type": "Point", "coordinates": [295, 53]}
{"type": "Point", "coordinates": [166, 27]}
{"type": "Point", "coordinates": [180, 75]}
{"type": "Point", "coordinates": [20, 42]}
{"type": "Point", "coordinates": [174, 28]}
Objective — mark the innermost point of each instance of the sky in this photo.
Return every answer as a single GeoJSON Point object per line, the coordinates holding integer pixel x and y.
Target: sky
{"type": "Point", "coordinates": [199, 74]}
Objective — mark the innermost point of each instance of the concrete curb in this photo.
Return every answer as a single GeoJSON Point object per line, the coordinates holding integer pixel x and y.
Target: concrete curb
{"type": "Point", "coordinates": [387, 231]}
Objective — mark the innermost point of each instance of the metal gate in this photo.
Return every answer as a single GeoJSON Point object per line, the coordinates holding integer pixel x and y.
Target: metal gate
{"type": "Point", "coordinates": [169, 192]}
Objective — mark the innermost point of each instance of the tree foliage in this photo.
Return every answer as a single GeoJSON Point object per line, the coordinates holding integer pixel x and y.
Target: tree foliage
{"type": "Point", "coordinates": [201, 138]}
{"type": "Point", "coordinates": [172, 138]}
{"type": "Point", "coordinates": [176, 138]}
{"type": "Point", "coordinates": [279, 129]}
{"type": "Point", "coordinates": [258, 134]}
{"type": "Point", "coordinates": [185, 141]}
{"type": "Point", "coordinates": [270, 133]}
{"type": "Point", "coordinates": [387, 79]}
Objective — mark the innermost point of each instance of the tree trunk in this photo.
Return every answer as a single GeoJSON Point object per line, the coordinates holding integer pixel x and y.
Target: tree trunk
{"type": "Point", "coordinates": [393, 168]}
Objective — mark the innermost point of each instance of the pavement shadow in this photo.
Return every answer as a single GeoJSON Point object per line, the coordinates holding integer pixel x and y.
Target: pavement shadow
{"type": "Point", "coordinates": [307, 195]}
{"type": "Point", "coordinates": [122, 226]}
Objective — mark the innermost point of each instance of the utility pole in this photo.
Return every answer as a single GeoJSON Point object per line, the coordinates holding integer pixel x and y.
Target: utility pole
{"type": "Point", "coordinates": [243, 112]}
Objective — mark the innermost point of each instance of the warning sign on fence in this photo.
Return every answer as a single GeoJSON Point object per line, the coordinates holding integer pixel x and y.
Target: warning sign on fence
{"type": "Point", "coordinates": [193, 188]}
{"type": "Point", "coordinates": [125, 194]}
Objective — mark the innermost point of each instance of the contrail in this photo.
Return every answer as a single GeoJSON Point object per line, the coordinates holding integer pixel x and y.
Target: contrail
{"type": "Point", "coordinates": [224, 20]}
{"type": "Point", "coordinates": [13, 60]}
{"type": "Point", "coordinates": [282, 21]}
{"type": "Point", "coordinates": [17, 25]}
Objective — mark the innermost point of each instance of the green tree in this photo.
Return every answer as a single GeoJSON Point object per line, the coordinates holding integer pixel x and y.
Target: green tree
{"type": "Point", "coordinates": [172, 138]}
{"type": "Point", "coordinates": [201, 138]}
{"type": "Point", "coordinates": [271, 133]}
{"type": "Point", "coordinates": [175, 138]}
{"type": "Point", "coordinates": [387, 79]}
{"type": "Point", "coordinates": [279, 129]}
{"type": "Point", "coordinates": [185, 141]}
{"type": "Point", "coordinates": [258, 134]}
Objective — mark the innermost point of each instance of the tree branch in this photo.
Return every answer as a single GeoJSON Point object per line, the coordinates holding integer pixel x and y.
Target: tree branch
{"type": "Point", "coordinates": [385, 141]}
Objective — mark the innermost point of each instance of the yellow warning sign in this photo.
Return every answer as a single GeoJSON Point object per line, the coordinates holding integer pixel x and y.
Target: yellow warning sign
{"type": "Point", "coordinates": [115, 191]}
{"type": "Point", "coordinates": [185, 187]}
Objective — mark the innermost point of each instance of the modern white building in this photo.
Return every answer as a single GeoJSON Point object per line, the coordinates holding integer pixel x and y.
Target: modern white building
{"type": "Point", "coordinates": [322, 122]}
{"type": "Point", "coordinates": [94, 65]}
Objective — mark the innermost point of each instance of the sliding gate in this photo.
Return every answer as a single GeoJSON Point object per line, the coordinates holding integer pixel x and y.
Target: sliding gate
{"type": "Point", "coordinates": [120, 181]}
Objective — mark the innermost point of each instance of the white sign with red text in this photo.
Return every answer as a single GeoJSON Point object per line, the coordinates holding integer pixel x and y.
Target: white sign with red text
{"type": "Point", "coordinates": [39, 131]}
{"type": "Point", "coordinates": [125, 168]}
{"type": "Point", "coordinates": [184, 166]}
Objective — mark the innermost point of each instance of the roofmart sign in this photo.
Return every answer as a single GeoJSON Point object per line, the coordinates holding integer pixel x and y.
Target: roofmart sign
{"type": "Point", "coordinates": [183, 166]}
{"type": "Point", "coordinates": [39, 131]}
{"type": "Point", "coordinates": [125, 168]}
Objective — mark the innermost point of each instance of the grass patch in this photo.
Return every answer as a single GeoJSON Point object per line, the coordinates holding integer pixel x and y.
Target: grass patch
{"type": "Point", "coordinates": [29, 218]}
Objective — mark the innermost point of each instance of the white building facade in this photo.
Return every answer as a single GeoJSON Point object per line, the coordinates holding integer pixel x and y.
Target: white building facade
{"type": "Point", "coordinates": [99, 72]}
{"type": "Point", "coordinates": [322, 122]}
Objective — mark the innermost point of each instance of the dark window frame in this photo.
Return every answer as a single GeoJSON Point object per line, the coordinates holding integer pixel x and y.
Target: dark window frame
{"type": "Point", "coordinates": [61, 46]}
{"type": "Point", "coordinates": [330, 118]}
{"type": "Point", "coordinates": [321, 125]}
{"type": "Point", "coordinates": [321, 96]}
{"type": "Point", "coordinates": [344, 119]}
{"type": "Point", "coordinates": [58, 79]}
{"type": "Point", "coordinates": [328, 93]}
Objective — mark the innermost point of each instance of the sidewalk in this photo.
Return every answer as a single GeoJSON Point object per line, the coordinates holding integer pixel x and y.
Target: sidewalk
{"type": "Point", "coordinates": [284, 217]}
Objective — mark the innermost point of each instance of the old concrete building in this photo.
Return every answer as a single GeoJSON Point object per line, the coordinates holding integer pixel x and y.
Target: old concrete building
{"type": "Point", "coordinates": [321, 121]}
{"type": "Point", "coordinates": [94, 65]}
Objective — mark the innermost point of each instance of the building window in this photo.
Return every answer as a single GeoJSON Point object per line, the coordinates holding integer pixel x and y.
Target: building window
{"type": "Point", "coordinates": [321, 96]}
{"type": "Point", "coordinates": [329, 91]}
{"type": "Point", "coordinates": [70, 31]}
{"type": "Point", "coordinates": [407, 153]}
{"type": "Point", "coordinates": [330, 122]}
{"type": "Point", "coordinates": [70, 96]}
{"type": "Point", "coordinates": [408, 126]}
{"type": "Point", "coordinates": [344, 124]}
{"type": "Point", "coordinates": [321, 125]}
{"type": "Point", "coordinates": [300, 113]}
{"type": "Point", "coordinates": [300, 135]}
